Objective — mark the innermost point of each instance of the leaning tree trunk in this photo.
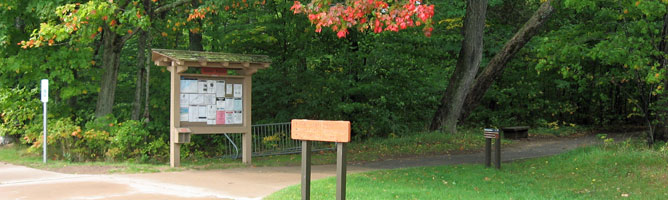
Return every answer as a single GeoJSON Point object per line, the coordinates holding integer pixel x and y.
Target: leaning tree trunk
{"type": "Point", "coordinates": [112, 45]}
{"type": "Point", "coordinates": [495, 67]}
{"type": "Point", "coordinates": [141, 64]}
{"type": "Point", "coordinates": [467, 66]}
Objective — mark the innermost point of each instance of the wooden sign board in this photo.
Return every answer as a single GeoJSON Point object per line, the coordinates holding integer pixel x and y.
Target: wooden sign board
{"type": "Point", "coordinates": [491, 133]}
{"type": "Point", "coordinates": [320, 130]}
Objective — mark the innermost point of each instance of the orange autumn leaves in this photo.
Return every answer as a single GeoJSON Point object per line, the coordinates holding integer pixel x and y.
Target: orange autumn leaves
{"type": "Point", "coordinates": [376, 15]}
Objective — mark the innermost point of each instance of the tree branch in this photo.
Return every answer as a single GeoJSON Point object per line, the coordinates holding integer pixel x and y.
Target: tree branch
{"type": "Point", "coordinates": [169, 6]}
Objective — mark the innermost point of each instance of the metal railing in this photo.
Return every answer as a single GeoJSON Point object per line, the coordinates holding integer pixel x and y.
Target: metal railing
{"type": "Point", "coordinates": [270, 139]}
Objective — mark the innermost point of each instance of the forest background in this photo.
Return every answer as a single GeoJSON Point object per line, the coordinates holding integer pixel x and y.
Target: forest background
{"type": "Point", "coordinates": [595, 63]}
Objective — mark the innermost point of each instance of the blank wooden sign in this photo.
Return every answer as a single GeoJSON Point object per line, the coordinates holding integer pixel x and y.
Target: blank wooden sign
{"type": "Point", "coordinates": [320, 130]}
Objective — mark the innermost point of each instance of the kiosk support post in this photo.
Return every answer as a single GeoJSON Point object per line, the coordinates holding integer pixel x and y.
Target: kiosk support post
{"type": "Point", "coordinates": [174, 148]}
{"type": "Point", "coordinates": [247, 140]}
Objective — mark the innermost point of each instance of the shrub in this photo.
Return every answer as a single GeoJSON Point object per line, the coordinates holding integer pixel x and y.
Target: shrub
{"type": "Point", "coordinates": [128, 140]}
{"type": "Point", "coordinates": [18, 109]}
{"type": "Point", "coordinates": [67, 141]}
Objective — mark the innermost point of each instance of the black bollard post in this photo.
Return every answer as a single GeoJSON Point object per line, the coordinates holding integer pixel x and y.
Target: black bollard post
{"type": "Point", "coordinates": [498, 152]}
{"type": "Point", "coordinates": [488, 152]}
{"type": "Point", "coordinates": [491, 133]}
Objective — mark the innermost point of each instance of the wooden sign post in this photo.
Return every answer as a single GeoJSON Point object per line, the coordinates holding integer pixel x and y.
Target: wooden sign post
{"type": "Point", "coordinates": [212, 101]}
{"type": "Point", "coordinates": [489, 135]}
{"type": "Point", "coordinates": [325, 131]}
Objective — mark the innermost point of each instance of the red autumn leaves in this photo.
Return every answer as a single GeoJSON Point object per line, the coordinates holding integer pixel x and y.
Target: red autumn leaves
{"type": "Point", "coordinates": [367, 14]}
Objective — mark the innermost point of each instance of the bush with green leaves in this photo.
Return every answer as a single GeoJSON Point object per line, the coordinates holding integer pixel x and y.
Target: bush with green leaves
{"type": "Point", "coordinates": [19, 109]}
{"type": "Point", "coordinates": [131, 140]}
{"type": "Point", "coordinates": [68, 141]}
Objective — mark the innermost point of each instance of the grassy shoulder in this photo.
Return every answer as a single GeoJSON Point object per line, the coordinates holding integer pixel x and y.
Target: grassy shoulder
{"type": "Point", "coordinates": [612, 172]}
{"type": "Point", "coordinates": [18, 155]}
{"type": "Point", "coordinates": [420, 144]}
{"type": "Point", "coordinates": [376, 149]}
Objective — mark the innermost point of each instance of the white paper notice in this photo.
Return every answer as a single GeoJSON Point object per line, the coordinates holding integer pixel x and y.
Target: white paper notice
{"type": "Point", "coordinates": [238, 90]}
{"type": "Point", "coordinates": [201, 113]}
{"type": "Point", "coordinates": [211, 84]}
{"type": "Point", "coordinates": [196, 99]}
{"type": "Point", "coordinates": [192, 113]}
{"type": "Point", "coordinates": [184, 114]}
{"type": "Point", "coordinates": [211, 115]}
{"type": "Point", "coordinates": [185, 100]}
{"type": "Point", "coordinates": [220, 103]}
{"type": "Point", "coordinates": [220, 88]}
{"type": "Point", "coordinates": [188, 86]}
{"type": "Point", "coordinates": [228, 117]}
{"type": "Point", "coordinates": [209, 99]}
{"type": "Point", "coordinates": [238, 104]}
{"type": "Point", "coordinates": [202, 87]}
{"type": "Point", "coordinates": [228, 89]}
{"type": "Point", "coordinates": [229, 104]}
{"type": "Point", "coordinates": [238, 117]}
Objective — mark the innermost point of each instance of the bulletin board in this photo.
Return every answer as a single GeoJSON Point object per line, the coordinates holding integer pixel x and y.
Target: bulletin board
{"type": "Point", "coordinates": [211, 101]}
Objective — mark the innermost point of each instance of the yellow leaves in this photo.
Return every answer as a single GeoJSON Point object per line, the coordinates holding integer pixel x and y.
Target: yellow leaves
{"type": "Point", "coordinates": [163, 34]}
{"type": "Point", "coordinates": [453, 23]}
{"type": "Point", "coordinates": [99, 29]}
{"type": "Point", "coordinates": [84, 91]}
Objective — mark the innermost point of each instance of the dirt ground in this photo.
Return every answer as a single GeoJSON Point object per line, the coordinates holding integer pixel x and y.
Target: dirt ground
{"type": "Point", "coordinates": [77, 182]}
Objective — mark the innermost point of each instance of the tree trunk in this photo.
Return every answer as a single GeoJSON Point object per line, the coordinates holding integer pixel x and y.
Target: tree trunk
{"type": "Point", "coordinates": [661, 131]}
{"type": "Point", "coordinates": [148, 62]}
{"type": "Point", "coordinates": [112, 45]}
{"type": "Point", "coordinates": [148, 75]}
{"type": "Point", "coordinates": [141, 64]}
{"type": "Point", "coordinates": [195, 38]}
{"type": "Point", "coordinates": [495, 67]}
{"type": "Point", "coordinates": [467, 66]}
{"type": "Point", "coordinates": [195, 41]}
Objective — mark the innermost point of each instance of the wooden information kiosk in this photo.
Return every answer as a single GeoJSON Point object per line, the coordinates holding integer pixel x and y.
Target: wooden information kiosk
{"type": "Point", "coordinates": [212, 102]}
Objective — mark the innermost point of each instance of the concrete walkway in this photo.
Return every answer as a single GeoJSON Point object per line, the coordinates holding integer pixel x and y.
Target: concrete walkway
{"type": "Point", "coordinates": [18, 182]}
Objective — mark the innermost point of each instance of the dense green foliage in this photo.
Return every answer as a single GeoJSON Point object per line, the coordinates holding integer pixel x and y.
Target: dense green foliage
{"type": "Point", "coordinates": [596, 63]}
{"type": "Point", "coordinates": [610, 172]}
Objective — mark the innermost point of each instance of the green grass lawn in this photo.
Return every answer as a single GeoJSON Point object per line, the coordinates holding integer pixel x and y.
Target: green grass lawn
{"type": "Point", "coordinates": [587, 173]}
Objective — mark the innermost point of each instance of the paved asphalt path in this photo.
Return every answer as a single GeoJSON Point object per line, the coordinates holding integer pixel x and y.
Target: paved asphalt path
{"type": "Point", "coordinates": [18, 182]}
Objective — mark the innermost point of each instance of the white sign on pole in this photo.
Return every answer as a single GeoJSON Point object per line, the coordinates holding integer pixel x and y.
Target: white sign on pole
{"type": "Point", "coordinates": [45, 90]}
{"type": "Point", "coordinates": [45, 98]}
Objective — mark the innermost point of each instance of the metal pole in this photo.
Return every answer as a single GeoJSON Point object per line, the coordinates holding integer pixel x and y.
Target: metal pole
{"type": "Point", "coordinates": [44, 141]}
{"type": "Point", "coordinates": [488, 152]}
{"type": "Point", "coordinates": [340, 171]}
{"type": "Point", "coordinates": [306, 170]}
{"type": "Point", "coordinates": [498, 152]}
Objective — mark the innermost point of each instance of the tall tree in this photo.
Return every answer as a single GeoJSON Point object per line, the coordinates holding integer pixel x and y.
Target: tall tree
{"type": "Point", "coordinates": [117, 21]}
{"type": "Point", "coordinates": [498, 63]}
{"type": "Point", "coordinates": [467, 66]}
